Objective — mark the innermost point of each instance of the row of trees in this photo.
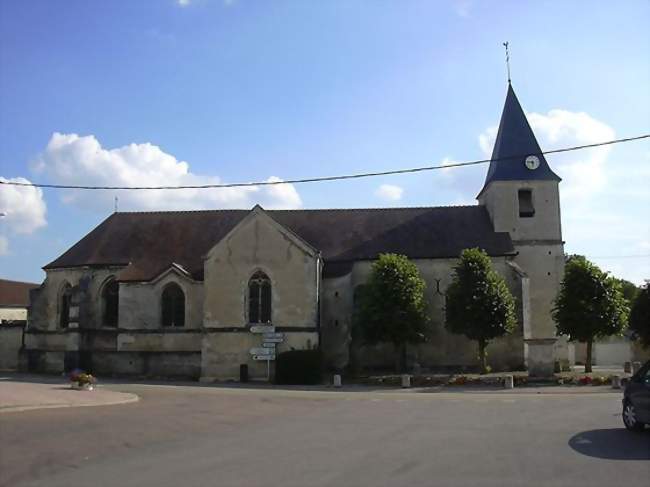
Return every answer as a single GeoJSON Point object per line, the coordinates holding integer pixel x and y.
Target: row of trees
{"type": "Point", "coordinates": [591, 304]}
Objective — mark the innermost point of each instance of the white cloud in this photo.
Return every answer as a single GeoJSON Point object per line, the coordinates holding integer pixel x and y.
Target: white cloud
{"type": "Point", "coordinates": [183, 3]}
{"type": "Point", "coordinates": [448, 171]}
{"type": "Point", "coordinates": [22, 211]}
{"type": "Point", "coordinates": [582, 172]}
{"type": "Point", "coordinates": [81, 160]}
{"type": "Point", "coordinates": [603, 205]}
{"type": "Point", "coordinates": [462, 7]}
{"type": "Point", "coordinates": [389, 192]}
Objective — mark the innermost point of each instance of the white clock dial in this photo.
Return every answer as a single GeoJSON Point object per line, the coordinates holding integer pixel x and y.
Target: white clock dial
{"type": "Point", "coordinates": [532, 162]}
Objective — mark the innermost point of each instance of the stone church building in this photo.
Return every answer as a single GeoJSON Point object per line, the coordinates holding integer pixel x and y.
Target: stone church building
{"type": "Point", "coordinates": [179, 293]}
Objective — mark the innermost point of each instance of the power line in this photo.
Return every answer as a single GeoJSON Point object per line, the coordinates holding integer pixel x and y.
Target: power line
{"type": "Point", "coordinates": [328, 178]}
{"type": "Point", "coordinates": [618, 256]}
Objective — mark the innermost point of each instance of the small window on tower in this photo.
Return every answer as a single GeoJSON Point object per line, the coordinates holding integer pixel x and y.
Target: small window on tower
{"type": "Point", "coordinates": [526, 208]}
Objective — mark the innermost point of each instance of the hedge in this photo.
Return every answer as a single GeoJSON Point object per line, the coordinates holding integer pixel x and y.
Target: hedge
{"type": "Point", "coordinates": [298, 367]}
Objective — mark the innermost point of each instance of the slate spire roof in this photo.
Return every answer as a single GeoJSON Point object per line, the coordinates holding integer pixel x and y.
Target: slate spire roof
{"type": "Point", "coordinates": [515, 141]}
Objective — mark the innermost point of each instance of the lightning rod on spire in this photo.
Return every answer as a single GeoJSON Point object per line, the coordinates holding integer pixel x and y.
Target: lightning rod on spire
{"type": "Point", "coordinates": [506, 44]}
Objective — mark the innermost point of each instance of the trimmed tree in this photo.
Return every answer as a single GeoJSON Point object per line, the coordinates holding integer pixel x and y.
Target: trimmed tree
{"type": "Point", "coordinates": [392, 307]}
{"type": "Point", "coordinates": [629, 289]}
{"type": "Point", "coordinates": [479, 303]}
{"type": "Point", "coordinates": [639, 322]}
{"type": "Point", "coordinates": [590, 304]}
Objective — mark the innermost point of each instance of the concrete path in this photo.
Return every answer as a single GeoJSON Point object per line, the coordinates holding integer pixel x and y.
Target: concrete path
{"type": "Point", "coordinates": [23, 396]}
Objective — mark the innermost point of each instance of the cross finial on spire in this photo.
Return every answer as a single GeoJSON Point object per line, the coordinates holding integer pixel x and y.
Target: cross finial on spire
{"type": "Point", "coordinates": [116, 200]}
{"type": "Point", "coordinates": [505, 44]}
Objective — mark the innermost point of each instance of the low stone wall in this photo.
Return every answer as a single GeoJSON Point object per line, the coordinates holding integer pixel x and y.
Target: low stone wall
{"type": "Point", "coordinates": [11, 341]}
{"type": "Point", "coordinates": [180, 365]}
{"type": "Point", "coordinates": [448, 353]}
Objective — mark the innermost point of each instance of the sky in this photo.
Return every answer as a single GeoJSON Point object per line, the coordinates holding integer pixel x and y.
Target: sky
{"type": "Point", "coordinates": [171, 92]}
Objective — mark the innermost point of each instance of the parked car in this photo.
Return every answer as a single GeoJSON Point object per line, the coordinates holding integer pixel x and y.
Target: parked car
{"type": "Point", "coordinates": [636, 400]}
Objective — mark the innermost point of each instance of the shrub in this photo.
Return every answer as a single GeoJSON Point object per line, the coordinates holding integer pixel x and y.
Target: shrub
{"type": "Point", "coordinates": [298, 367]}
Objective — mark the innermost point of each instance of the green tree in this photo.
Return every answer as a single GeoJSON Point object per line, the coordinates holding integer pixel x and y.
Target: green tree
{"type": "Point", "coordinates": [629, 290]}
{"type": "Point", "coordinates": [479, 303]}
{"type": "Point", "coordinates": [640, 316]}
{"type": "Point", "coordinates": [392, 306]}
{"type": "Point", "coordinates": [590, 304]}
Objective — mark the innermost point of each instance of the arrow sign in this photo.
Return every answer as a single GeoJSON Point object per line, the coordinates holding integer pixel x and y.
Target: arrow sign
{"type": "Point", "coordinates": [273, 335]}
{"type": "Point", "coordinates": [263, 357]}
{"type": "Point", "coordinates": [262, 351]}
{"type": "Point", "coordinates": [262, 329]}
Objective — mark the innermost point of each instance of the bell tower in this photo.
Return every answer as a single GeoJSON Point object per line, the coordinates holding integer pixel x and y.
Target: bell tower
{"type": "Point", "coordinates": [521, 194]}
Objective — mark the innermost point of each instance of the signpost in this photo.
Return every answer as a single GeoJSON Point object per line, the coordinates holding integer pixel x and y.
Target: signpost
{"type": "Point", "coordinates": [268, 358]}
{"type": "Point", "coordinates": [262, 329]}
{"type": "Point", "coordinates": [262, 351]}
{"type": "Point", "coordinates": [269, 340]}
{"type": "Point", "coordinates": [273, 335]}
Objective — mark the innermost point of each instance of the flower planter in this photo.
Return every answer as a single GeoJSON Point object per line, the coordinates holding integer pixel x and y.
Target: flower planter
{"type": "Point", "coordinates": [81, 387]}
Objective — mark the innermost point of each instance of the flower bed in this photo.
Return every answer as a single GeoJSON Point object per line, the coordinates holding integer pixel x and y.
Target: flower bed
{"type": "Point", "coordinates": [492, 380]}
{"type": "Point", "coordinates": [82, 381]}
{"type": "Point", "coordinates": [584, 380]}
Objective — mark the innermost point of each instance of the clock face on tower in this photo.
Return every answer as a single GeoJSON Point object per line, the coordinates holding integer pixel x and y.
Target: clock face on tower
{"type": "Point", "coordinates": [532, 162]}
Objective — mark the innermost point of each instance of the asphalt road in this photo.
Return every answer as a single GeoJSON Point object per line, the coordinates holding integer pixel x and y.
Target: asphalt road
{"type": "Point", "coordinates": [205, 436]}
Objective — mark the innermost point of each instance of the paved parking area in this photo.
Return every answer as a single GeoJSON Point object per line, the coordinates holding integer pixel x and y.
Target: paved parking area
{"type": "Point", "coordinates": [199, 436]}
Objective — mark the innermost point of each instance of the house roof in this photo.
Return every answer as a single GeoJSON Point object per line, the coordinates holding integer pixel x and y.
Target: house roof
{"type": "Point", "coordinates": [150, 242]}
{"type": "Point", "coordinates": [15, 293]}
{"type": "Point", "coordinates": [514, 142]}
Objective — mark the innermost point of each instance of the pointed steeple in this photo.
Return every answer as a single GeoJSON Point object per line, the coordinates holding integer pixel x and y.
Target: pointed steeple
{"type": "Point", "coordinates": [514, 143]}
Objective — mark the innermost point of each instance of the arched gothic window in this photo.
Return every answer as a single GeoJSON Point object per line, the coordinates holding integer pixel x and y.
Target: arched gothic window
{"type": "Point", "coordinates": [64, 305]}
{"type": "Point", "coordinates": [259, 298]}
{"type": "Point", "coordinates": [111, 303]}
{"type": "Point", "coordinates": [173, 306]}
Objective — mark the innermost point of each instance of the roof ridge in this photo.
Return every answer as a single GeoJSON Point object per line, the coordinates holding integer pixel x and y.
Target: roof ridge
{"type": "Point", "coordinates": [219, 210]}
{"type": "Point", "coordinates": [383, 208]}
{"type": "Point", "coordinates": [147, 212]}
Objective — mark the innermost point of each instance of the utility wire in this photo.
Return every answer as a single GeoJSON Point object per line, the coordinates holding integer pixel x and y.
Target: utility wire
{"type": "Point", "coordinates": [618, 256]}
{"type": "Point", "coordinates": [328, 178]}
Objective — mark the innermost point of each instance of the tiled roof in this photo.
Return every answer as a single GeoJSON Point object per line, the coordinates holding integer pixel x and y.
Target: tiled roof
{"type": "Point", "coordinates": [15, 293]}
{"type": "Point", "coordinates": [149, 242]}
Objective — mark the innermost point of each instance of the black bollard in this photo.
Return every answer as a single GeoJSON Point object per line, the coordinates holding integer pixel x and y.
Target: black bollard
{"type": "Point", "coordinates": [243, 373]}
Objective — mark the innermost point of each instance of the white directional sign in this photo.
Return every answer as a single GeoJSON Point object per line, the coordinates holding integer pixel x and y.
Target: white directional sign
{"type": "Point", "coordinates": [273, 335]}
{"type": "Point", "coordinates": [269, 344]}
{"type": "Point", "coordinates": [262, 329]}
{"type": "Point", "coordinates": [263, 357]}
{"type": "Point", "coordinates": [272, 341]}
{"type": "Point", "coordinates": [262, 351]}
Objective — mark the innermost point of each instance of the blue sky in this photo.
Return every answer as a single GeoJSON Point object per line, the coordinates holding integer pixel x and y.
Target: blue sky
{"type": "Point", "coordinates": [171, 92]}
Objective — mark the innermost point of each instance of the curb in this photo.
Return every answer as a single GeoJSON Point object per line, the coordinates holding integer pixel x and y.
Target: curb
{"type": "Point", "coordinates": [16, 409]}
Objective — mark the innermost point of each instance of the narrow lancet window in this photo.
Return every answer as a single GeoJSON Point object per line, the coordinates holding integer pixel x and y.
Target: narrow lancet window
{"type": "Point", "coordinates": [259, 298]}
{"type": "Point", "coordinates": [110, 298]}
{"type": "Point", "coordinates": [173, 306]}
{"type": "Point", "coordinates": [64, 306]}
